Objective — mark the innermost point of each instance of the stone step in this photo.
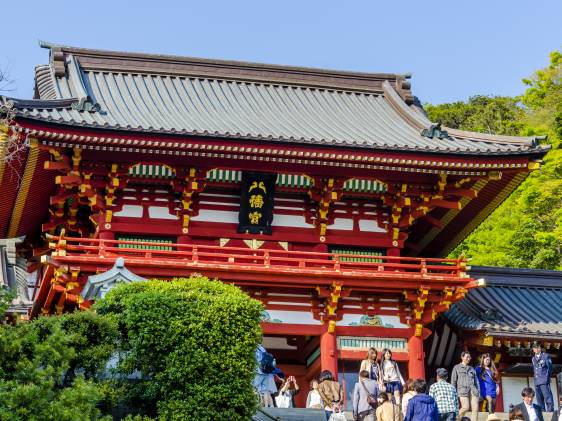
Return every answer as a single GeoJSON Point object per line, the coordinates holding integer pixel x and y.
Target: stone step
{"type": "Point", "coordinates": [301, 414]}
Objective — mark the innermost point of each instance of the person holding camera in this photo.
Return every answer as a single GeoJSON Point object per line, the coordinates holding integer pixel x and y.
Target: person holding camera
{"type": "Point", "coordinates": [286, 396]}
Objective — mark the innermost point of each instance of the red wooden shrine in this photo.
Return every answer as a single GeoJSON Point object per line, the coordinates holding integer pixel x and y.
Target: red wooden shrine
{"type": "Point", "coordinates": [142, 157]}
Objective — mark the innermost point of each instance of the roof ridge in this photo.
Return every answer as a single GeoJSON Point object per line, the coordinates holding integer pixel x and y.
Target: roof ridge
{"type": "Point", "coordinates": [57, 103]}
{"type": "Point", "coordinates": [95, 59]}
{"type": "Point", "coordinates": [173, 57]}
{"type": "Point", "coordinates": [489, 137]}
{"type": "Point", "coordinates": [420, 121]}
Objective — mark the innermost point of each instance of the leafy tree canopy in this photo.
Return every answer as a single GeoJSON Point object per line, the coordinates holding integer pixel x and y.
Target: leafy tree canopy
{"type": "Point", "coordinates": [49, 366]}
{"type": "Point", "coordinates": [191, 342]}
{"type": "Point", "coordinates": [526, 230]}
{"type": "Point", "coordinates": [173, 350]}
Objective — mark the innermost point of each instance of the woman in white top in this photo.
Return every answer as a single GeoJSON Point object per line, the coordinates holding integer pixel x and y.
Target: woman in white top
{"type": "Point", "coordinates": [371, 365]}
{"type": "Point", "coordinates": [409, 393]}
{"type": "Point", "coordinates": [392, 379]}
{"type": "Point", "coordinates": [313, 400]}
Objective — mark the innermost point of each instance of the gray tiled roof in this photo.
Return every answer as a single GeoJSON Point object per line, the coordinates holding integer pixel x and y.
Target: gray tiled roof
{"type": "Point", "coordinates": [515, 302]}
{"type": "Point", "coordinates": [13, 275]}
{"type": "Point", "coordinates": [148, 94]}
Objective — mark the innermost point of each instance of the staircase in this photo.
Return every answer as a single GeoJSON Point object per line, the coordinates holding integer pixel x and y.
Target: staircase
{"type": "Point", "coordinates": [301, 414]}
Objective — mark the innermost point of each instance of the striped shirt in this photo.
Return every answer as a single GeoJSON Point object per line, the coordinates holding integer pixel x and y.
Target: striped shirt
{"type": "Point", "coordinates": [445, 396]}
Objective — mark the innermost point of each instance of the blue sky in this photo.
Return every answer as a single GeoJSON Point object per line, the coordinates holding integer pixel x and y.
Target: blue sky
{"type": "Point", "coordinates": [454, 49]}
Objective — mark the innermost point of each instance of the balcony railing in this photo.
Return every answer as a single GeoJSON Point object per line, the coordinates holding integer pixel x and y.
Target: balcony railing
{"type": "Point", "coordinates": [237, 263]}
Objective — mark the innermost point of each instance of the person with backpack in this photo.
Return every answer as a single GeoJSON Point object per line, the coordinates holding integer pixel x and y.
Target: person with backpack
{"type": "Point", "coordinates": [331, 393]}
{"type": "Point", "coordinates": [365, 397]}
{"type": "Point", "coordinates": [264, 380]}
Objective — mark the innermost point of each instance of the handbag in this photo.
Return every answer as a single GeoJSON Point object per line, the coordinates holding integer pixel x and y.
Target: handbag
{"type": "Point", "coordinates": [371, 400]}
{"type": "Point", "coordinates": [283, 401]}
{"type": "Point", "coordinates": [361, 416]}
{"type": "Point", "coordinates": [338, 416]}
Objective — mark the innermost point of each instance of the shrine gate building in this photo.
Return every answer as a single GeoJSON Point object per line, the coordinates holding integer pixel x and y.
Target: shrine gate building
{"type": "Point", "coordinates": [327, 195]}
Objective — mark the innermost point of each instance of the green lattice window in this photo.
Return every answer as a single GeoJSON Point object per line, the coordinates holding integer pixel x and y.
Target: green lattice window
{"type": "Point", "coordinates": [360, 343]}
{"type": "Point", "coordinates": [145, 239]}
{"type": "Point", "coordinates": [151, 171]}
{"type": "Point", "coordinates": [356, 185]}
{"type": "Point", "coordinates": [359, 253]}
{"type": "Point", "coordinates": [283, 180]}
{"type": "Point", "coordinates": [360, 185]}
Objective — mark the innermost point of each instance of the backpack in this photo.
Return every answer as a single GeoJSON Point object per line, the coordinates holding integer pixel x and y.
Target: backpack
{"type": "Point", "coordinates": [267, 363]}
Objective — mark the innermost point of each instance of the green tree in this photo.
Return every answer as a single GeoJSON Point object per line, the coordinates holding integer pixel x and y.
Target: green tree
{"type": "Point", "coordinates": [191, 344]}
{"type": "Point", "coordinates": [543, 97]}
{"type": "Point", "coordinates": [49, 367]}
{"type": "Point", "coordinates": [6, 297]}
{"type": "Point", "coordinates": [526, 230]}
{"type": "Point", "coordinates": [488, 114]}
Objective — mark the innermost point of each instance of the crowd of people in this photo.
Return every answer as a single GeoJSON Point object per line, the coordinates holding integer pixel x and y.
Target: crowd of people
{"type": "Point", "coordinates": [381, 394]}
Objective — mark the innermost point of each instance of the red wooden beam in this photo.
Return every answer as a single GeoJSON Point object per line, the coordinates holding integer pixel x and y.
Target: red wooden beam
{"type": "Point", "coordinates": [375, 331]}
{"type": "Point", "coordinates": [291, 329]}
{"type": "Point", "coordinates": [350, 354]}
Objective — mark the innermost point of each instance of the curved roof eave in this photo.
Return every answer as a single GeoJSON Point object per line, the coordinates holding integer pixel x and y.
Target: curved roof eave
{"type": "Point", "coordinates": [157, 94]}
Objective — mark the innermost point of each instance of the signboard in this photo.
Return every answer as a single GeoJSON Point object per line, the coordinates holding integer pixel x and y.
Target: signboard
{"type": "Point", "coordinates": [256, 203]}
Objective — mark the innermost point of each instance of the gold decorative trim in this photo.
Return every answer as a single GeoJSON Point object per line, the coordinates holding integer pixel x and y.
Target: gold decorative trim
{"type": "Point", "coordinates": [3, 140]}
{"type": "Point", "coordinates": [21, 199]}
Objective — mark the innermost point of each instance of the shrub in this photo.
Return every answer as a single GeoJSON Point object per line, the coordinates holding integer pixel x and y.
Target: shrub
{"type": "Point", "coordinates": [49, 367]}
{"type": "Point", "coordinates": [191, 343]}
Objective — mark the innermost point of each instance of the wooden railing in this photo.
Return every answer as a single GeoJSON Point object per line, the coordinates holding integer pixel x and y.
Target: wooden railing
{"type": "Point", "coordinates": [80, 251]}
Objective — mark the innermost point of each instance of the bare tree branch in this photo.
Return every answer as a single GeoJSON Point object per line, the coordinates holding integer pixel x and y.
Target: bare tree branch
{"type": "Point", "coordinates": [13, 146]}
{"type": "Point", "coordinates": [6, 82]}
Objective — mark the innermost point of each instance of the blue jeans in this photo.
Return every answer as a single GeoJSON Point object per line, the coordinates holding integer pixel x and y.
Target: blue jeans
{"type": "Point", "coordinates": [544, 397]}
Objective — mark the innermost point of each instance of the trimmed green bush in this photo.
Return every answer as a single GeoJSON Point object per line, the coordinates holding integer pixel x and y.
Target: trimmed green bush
{"type": "Point", "coordinates": [191, 343]}
{"type": "Point", "coordinates": [49, 368]}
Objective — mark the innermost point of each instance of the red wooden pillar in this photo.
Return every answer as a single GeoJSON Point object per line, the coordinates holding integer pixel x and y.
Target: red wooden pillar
{"type": "Point", "coordinates": [394, 251]}
{"type": "Point", "coordinates": [499, 400]}
{"type": "Point", "coordinates": [328, 353]}
{"type": "Point", "coordinates": [416, 367]}
{"type": "Point", "coordinates": [107, 235]}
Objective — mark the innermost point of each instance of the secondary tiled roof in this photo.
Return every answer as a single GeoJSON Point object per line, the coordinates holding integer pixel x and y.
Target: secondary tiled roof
{"type": "Point", "coordinates": [515, 302]}
{"type": "Point", "coordinates": [162, 94]}
{"type": "Point", "coordinates": [13, 275]}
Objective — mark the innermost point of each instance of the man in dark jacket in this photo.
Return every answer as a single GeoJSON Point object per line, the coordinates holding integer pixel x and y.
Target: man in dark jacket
{"type": "Point", "coordinates": [530, 410]}
{"type": "Point", "coordinates": [542, 370]}
{"type": "Point", "coordinates": [421, 407]}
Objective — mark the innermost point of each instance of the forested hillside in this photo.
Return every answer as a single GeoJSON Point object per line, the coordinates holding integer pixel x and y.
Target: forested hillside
{"type": "Point", "coordinates": [526, 230]}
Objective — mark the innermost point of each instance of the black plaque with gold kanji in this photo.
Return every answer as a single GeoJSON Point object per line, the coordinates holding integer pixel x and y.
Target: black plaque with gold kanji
{"type": "Point", "coordinates": [256, 203]}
